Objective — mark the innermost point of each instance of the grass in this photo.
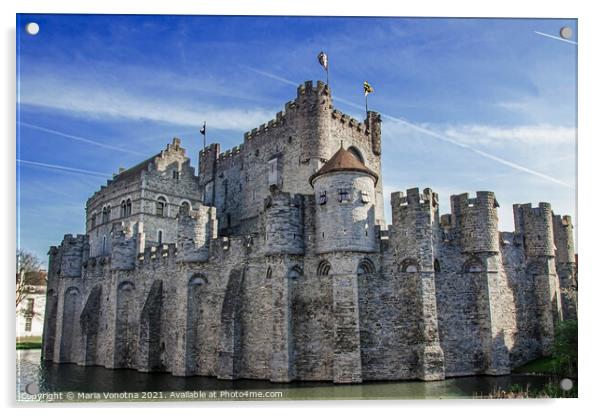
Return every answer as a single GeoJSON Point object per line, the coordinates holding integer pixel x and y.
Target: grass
{"type": "Point", "coordinates": [28, 343]}
{"type": "Point", "coordinates": [543, 365]}
{"type": "Point", "coordinates": [551, 390]}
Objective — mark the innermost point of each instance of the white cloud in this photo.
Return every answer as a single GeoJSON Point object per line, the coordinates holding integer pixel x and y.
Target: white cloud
{"type": "Point", "coordinates": [526, 135]}
{"type": "Point", "coordinates": [97, 101]}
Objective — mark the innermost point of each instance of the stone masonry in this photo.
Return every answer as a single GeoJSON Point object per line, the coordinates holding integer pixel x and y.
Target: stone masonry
{"type": "Point", "coordinates": [276, 263]}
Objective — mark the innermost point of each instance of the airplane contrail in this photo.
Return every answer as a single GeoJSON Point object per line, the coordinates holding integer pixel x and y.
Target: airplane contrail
{"type": "Point", "coordinates": [436, 135]}
{"type": "Point", "coordinates": [80, 139]}
{"type": "Point", "coordinates": [64, 168]}
{"type": "Point", "coordinates": [556, 37]}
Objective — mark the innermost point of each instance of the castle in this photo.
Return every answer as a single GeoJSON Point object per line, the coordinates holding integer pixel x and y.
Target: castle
{"type": "Point", "coordinates": [276, 263]}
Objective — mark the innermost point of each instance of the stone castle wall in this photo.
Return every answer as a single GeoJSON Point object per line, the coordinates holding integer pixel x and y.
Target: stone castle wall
{"type": "Point", "coordinates": [268, 296]}
{"type": "Point", "coordinates": [301, 139]}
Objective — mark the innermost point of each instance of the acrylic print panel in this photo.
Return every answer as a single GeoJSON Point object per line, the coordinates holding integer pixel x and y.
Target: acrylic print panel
{"type": "Point", "coordinates": [287, 208]}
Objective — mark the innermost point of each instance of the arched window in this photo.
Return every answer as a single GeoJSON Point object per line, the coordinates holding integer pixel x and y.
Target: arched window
{"type": "Point", "coordinates": [436, 266]}
{"type": "Point", "coordinates": [356, 152]}
{"type": "Point", "coordinates": [473, 265]}
{"type": "Point", "coordinates": [103, 219]}
{"type": "Point", "coordinates": [128, 207]}
{"type": "Point", "coordinates": [160, 237]}
{"type": "Point", "coordinates": [161, 206]}
{"type": "Point", "coordinates": [185, 208]}
{"type": "Point", "coordinates": [104, 244]}
{"type": "Point", "coordinates": [268, 274]}
{"type": "Point", "coordinates": [323, 268]}
{"type": "Point", "coordinates": [295, 272]}
{"type": "Point", "coordinates": [122, 213]}
{"type": "Point", "coordinates": [410, 266]}
{"type": "Point", "coordinates": [365, 267]}
{"type": "Point", "coordinates": [108, 213]}
{"type": "Point", "coordinates": [93, 220]}
{"type": "Point", "coordinates": [197, 279]}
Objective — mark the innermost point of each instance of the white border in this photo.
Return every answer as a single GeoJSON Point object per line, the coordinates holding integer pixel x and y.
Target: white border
{"type": "Point", "coordinates": [589, 237]}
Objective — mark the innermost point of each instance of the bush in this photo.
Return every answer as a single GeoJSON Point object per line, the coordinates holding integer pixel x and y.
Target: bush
{"type": "Point", "coordinates": [566, 348]}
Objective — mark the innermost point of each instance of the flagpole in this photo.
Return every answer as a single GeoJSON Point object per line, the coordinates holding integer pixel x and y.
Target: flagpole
{"type": "Point", "coordinates": [366, 106]}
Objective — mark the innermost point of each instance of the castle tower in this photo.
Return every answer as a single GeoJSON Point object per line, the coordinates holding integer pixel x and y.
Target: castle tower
{"type": "Point", "coordinates": [415, 218]}
{"type": "Point", "coordinates": [283, 223]}
{"type": "Point", "coordinates": [207, 165]}
{"type": "Point", "coordinates": [476, 224]}
{"type": "Point", "coordinates": [566, 266]}
{"type": "Point", "coordinates": [345, 207]}
{"type": "Point", "coordinates": [536, 228]}
{"type": "Point", "coordinates": [72, 253]}
{"type": "Point", "coordinates": [195, 230]}
{"type": "Point", "coordinates": [123, 248]}
{"type": "Point", "coordinates": [314, 106]}
{"type": "Point", "coordinates": [345, 223]}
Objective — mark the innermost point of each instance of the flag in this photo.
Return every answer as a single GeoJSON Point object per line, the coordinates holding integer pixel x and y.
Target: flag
{"type": "Point", "coordinates": [203, 129]}
{"type": "Point", "coordinates": [323, 59]}
{"type": "Point", "coordinates": [367, 88]}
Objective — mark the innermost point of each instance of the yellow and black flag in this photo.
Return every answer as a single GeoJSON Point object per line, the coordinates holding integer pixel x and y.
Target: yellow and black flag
{"type": "Point", "coordinates": [367, 88]}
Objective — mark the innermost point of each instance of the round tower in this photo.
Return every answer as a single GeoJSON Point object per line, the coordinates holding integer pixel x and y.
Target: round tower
{"type": "Point", "coordinates": [283, 223]}
{"type": "Point", "coordinates": [344, 189]}
{"type": "Point", "coordinates": [477, 220]}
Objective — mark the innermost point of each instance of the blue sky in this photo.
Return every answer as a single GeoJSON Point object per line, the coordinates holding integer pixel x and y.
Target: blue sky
{"type": "Point", "coordinates": [467, 104]}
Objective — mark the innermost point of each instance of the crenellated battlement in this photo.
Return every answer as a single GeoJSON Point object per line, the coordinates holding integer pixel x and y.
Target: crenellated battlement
{"type": "Point", "coordinates": [476, 221]}
{"type": "Point", "coordinates": [414, 201]}
{"type": "Point", "coordinates": [536, 227]}
{"type": "Point", "coordinates": [349, 121]}
{"type": "Point", "coordinates": [414, 197]}
{"type": "Point", "coordinates": [235, 151]}
{"type": "Point", "coordinates": [307, 90]}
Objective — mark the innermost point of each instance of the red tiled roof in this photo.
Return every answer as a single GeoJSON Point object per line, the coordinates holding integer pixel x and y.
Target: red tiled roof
{"type": "Point", "coordinates": [343, 161]}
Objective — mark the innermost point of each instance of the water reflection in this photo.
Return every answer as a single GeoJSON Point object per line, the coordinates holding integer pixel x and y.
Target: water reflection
{"type": "Point", "coordinates": [70, 377]}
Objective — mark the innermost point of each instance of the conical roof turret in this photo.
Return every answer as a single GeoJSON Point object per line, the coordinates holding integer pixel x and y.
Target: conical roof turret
{"type": "Point", "coordinates": [343, 161]}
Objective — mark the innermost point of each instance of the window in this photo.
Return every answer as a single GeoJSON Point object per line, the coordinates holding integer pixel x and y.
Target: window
{"type": "Point", "coordinates": [323, 198]}
{"type": "Point", "coordinates": [344, 195]}
{"type": "Point", "coordinates": [161, 206]}
{"type": "Point", "coordinates": [104, 244]}
{"type": "Point", "coordinates": [176, 174]}
{"type": "Point", "coordinates": [160, 237]}
{"type": "Point", "coordinates": [30, 305]}
{"type": "Point", "coordinates": [108, 213]}
{"type": "Point", "coordinates": [122, 213]}
{"type": "Point", "coordinates": [28, 324]}
{"type": "Point", "coordinates": [93, 220]}
{"type": "Point", "coordinates": [184, 208]}
{"type": "Point", "coordinates": [128, 207]}
{"type": "Point", "coordinates": [323, 268]}
{"type": "Point", "coordinates": [409, 266]}
{"type": "Point", "coordinates": [365, 197]}
{"type": "Point", "coordinates": [273, 178]}
{"type": "Point", "coordinates": [104, 215]}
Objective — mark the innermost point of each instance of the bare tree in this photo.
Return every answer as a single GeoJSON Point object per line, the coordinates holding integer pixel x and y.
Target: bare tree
{"type": "Point", "coordinates": [26, 263]}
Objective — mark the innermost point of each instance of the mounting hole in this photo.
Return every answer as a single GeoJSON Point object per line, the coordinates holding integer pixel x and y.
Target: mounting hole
{"type": "Point", "coordinates": [32, 28]}
{"type": "Point", "coordinates": [566, 384]}
{"type": "Point", "coordinates": [566, 32]}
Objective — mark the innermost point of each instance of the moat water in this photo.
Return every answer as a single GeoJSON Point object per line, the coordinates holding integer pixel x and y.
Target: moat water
{"type": "Point", "coordinates": [67, 382]}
